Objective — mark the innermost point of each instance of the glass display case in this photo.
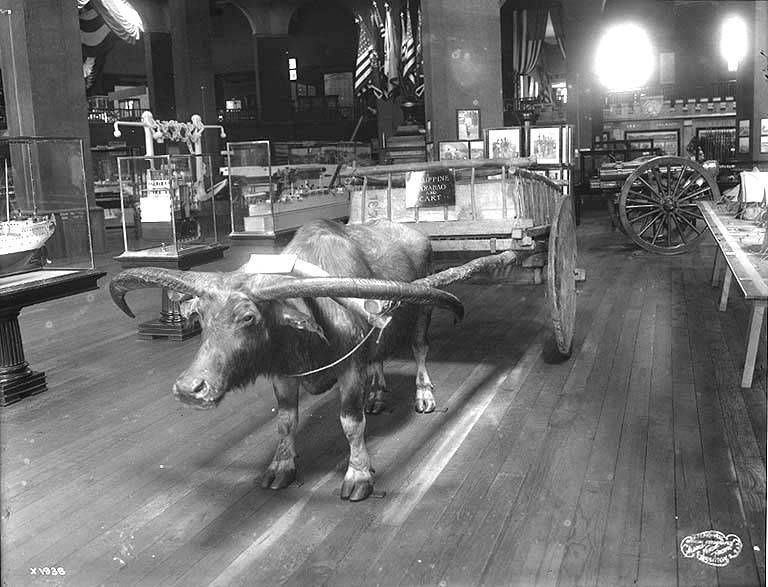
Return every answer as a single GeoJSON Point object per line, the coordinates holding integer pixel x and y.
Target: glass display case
{"type": "Point", "coordinates": [172, 198]}
{"type": "Point", "coordinates": [268, 199]}
{"type": "Point", "coordinates": [45, 222]}
{"type": "Point", "coordinates": [106, 184]}
{"type": "Point", "coordinates": [46, 244]}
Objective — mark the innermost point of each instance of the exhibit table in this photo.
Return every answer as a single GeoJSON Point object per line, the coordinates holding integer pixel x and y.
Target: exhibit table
{"type": "Point", "coordinates": [741, 252]}
{"type": "Point", "coordinates": [171, 324]}
{"type": "Point", "coordinates": [17, 379]}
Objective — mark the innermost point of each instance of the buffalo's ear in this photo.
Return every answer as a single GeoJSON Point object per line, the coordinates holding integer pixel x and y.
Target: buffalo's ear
{"type": "Point", "coordinates": [294, 318]}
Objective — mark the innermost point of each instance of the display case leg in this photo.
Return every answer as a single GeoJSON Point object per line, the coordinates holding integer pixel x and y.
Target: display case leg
{"type": "Point", "coordinates": [17, 380]}
{"type": "Point", "coordinates": [171, 325]}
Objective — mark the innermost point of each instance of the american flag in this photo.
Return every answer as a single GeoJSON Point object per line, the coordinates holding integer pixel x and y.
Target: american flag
{"type": "Point", "coordinates": [419, 91]}
{"type": "Point", "coordinates": [408, 50]}
{"type": "Point", "coordinates": [366, 65]}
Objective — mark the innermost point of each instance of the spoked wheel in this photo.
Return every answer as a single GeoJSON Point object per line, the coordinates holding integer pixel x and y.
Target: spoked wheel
{"type": "Point", "coordinates": [561, 278]}
{"type": "Point", "coordinates": [657, 206]}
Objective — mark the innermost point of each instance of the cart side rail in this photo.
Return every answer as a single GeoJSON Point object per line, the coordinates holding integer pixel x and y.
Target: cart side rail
{"type": "Point", "coordinates": [492, 197]}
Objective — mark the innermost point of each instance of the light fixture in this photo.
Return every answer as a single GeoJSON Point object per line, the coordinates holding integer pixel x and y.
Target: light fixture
{"type": "Point", "coordinates": [733, 41]}
{"type": "Point", "coordinates": [624, 59]}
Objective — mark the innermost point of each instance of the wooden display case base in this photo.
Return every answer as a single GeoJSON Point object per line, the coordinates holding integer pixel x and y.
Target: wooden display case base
{"type": "Point", "coordinates": [168, 330]}
{"type": "Point", "coordinates": [17, 387]}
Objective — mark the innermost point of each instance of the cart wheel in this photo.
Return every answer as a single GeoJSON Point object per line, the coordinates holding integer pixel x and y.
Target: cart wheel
{"type": "Point", "coordinates": [657, 206]}
{"type": "Point", "coordinates": [561, 281]}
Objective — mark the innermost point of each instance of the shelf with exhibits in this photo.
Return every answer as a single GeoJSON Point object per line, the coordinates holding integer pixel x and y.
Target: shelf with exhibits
{"type": "Point", "coordinates": [167, 193]}
{"type": "Point", "coordinates": [46, 243]}
{"type": "Point", "coordinates": [269, 199]}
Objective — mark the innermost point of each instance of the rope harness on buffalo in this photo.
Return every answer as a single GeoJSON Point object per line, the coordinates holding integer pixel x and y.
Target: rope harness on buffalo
{"type": "Point", "coordinates": [354, 349]}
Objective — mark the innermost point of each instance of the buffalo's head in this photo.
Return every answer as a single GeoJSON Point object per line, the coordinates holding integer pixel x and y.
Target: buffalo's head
{"type": "Point", "coordinates": [242, 318]}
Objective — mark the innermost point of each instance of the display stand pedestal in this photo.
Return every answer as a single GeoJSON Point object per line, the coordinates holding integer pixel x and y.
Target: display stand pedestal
{"type": "Point", "coordinates": [171, 325]}
{"type": "Point", "coordinates": [17, 379]}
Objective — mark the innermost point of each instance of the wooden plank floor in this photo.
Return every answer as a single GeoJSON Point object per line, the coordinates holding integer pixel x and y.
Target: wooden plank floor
{"type": "Point", "coordinates": [589, 471]}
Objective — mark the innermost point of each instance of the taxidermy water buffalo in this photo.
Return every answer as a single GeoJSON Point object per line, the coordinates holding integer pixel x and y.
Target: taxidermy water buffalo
{"type": "Point", "coordinates": [284, 326]}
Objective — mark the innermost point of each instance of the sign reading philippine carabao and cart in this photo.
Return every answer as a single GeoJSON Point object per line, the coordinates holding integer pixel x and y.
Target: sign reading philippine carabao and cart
{"type": "Point", "coordinates": [430, 189]}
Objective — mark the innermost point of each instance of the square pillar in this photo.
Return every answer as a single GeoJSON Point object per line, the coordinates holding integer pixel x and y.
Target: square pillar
{"type": "Point", "coordinates": [462, 63]}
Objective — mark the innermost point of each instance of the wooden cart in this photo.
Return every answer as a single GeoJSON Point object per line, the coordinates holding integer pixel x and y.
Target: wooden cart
{"type": "Point", "coordinates": [505, 214]}
{"type": "Point", "coordinates": [653, 200]}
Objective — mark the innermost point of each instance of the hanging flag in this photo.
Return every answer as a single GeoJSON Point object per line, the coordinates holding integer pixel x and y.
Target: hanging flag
{"type": "Point", "coordinates": [419, 91]}
{"type": "Point", "coordinates": [408, 52]}
{"type": "Point", "coordinates": [366, 64]}
{"type": "Point", "coordinates": [391, 54]}
{"type": "Point", "coordinates": [377, 20]}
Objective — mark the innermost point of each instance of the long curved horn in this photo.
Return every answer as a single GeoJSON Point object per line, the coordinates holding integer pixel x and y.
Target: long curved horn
{"type": "Point", "coordinates": [194, 282]}
{"type": "Point", "coordinates": [354, 287]}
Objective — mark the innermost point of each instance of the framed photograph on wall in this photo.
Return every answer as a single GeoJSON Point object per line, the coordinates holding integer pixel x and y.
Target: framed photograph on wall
{"type": "Point", "coordinates": [764, 126]}
{"type": "Point", "coordinates": [476, 149]}
{"type": "Point", "coordinates": [666, 140]}
{"type": "Point", "coordinates": [504, 143]}
{"type": "Point", "coordinates": [453, 150]}
{"type": "Point", "coordinates": [468, 125]}
{"type": "Point", "coordinates": [744, 127]}
{"type": "Point", "coordinates": [546, 144]}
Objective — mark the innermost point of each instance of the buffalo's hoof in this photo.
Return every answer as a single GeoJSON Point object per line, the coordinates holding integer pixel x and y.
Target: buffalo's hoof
{"type": "Point", "coordinates": [374, 402]}
{"type": "Point", "coordinates": [279, 475]}
{"type": "Point", "coordinates": [425, 400]}
{"type": "Point", "coordinates": [357, 485]}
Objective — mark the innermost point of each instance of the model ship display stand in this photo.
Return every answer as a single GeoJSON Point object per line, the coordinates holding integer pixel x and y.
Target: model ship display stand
{"type": "Point", "coordinates": [34, 178]}
{"type": "Point", "coordinates": [171, 325]}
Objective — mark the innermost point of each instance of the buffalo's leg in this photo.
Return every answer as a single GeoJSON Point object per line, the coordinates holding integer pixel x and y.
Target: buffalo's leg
{"type": "Point", "coordinates": [358, 480]}
{"type": "Point", "coordinates": [377, 387]}
{"type": "Point", "coordinates": [282, 470]}
{"type": "Point", "coordinates": [425, 400]}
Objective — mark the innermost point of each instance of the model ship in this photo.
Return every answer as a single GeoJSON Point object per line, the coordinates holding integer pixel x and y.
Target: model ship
{"type": "Point", "coordinates": [22, 235]}
{"type": "Point", "coordinates": [21, 238]}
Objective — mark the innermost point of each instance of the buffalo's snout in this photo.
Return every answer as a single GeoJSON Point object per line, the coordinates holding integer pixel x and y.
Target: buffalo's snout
{"type": "Point", "coordinates": [196, 392]}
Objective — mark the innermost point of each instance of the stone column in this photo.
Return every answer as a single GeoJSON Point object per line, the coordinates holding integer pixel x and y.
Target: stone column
{"type": "Point", "coordinates": [462, 63]}
{"type": "Point", "coordinates": [272, 73]}
{"type": "Point", "coordinates": [41, 62]}
{"type": "Point", "coordinates": [760, 83]}
{"type": "Point", "coordinates": [190, 25]}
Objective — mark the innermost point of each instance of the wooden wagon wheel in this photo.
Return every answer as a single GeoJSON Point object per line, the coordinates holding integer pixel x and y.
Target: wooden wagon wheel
{"type": "Point", "coordinates": [561, 279]}
{"type": "Point", "coordinates": [657, 206]}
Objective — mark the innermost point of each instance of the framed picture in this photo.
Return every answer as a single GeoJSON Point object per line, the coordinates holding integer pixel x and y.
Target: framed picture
{"type": "Point", "coordinates": [641, 144]}
{"type": "Point", "coordinates": [743, 144]}
{"type": "Point", "coordinates": [764, 126]}
{"type": "Point", "coordinates": [476, 149]}
{"type": "Point", "coordinates": [504, 143]}
{"type": "Point", "coordinates": [453, 150]}
{"type": "Point", "coordinates": [467, 125]}
{"type": "Point", "coordinates": [666, 140]}
{"type": "Point", "coordinates": [764, 144]}
{"type": "Point", "coordinates": [545, 143]}
{"type": "Point", "coordinates": [744, 127]}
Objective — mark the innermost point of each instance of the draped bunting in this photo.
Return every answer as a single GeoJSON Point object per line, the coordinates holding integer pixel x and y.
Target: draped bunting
{"type": "Point", "coordinates": [102, 23]}
{"type": "Point", "coordinates": [528, 27]}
